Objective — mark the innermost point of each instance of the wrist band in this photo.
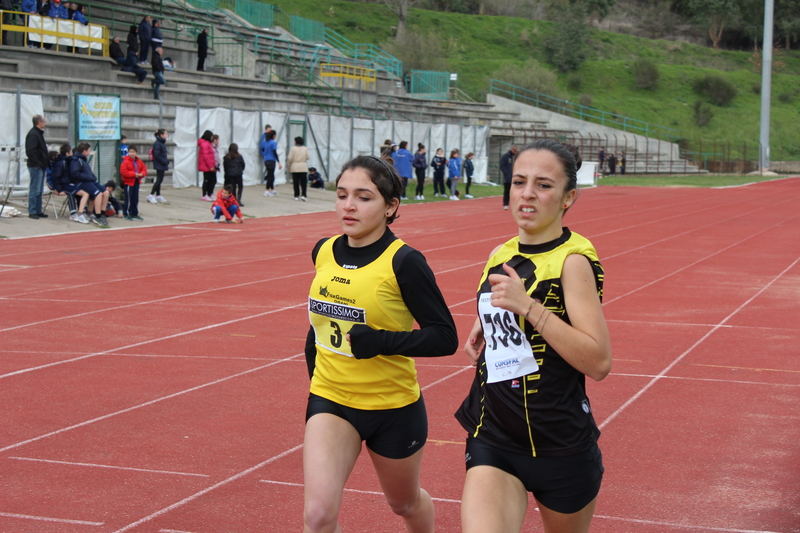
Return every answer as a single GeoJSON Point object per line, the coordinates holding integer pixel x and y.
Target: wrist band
{"type": "Point", "coordinates": [535, 301]}
{"type": "Point", "coordinates": [536, 326]}
{"type": "Point", "coordinates": [541, 331]}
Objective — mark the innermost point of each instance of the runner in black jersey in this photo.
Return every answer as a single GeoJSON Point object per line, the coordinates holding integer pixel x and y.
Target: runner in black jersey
{"type": "Point", "coordinates": [369, 289]}
{"type": "Point", "coordinates": [540, 331]}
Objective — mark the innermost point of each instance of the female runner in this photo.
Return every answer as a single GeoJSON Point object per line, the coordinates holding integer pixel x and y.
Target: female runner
{"type": "Point", "coordinates": [540, 331]}
{"type": "Point", "coordinates": [369, 289]}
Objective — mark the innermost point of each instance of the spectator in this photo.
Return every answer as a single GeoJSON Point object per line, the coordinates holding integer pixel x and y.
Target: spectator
{"type": "Point", "coordinates": [115, 51]}
{"type": "Point", "coordinates": [133, 171]}
{"type": "Point", "coordinates": [623, 161]}
{"type": "Point", "coordinates": [133, 42]}
{"type": "Point", "coordinates": [612, 163]}
{"type": "Point", "coordinates": [145, 38]}
{"type": "Point", "coordinates": [386, 148]}
{"type": "Point", "coordinates": [156, 37]}
{"type": "Point", "coordinates": [315, 179]}
{"type": "Point", "coordinates": [160, 164]}
{"type": "Point", "coordinates": [54, 9]}
{"type": "Point", "coordinates": [454, 171]}
{"type": "Point", "coordinates": [296, 163]}
{"type": "Point", "coordinates": [80, 15]}
{"type": "Point", "coordinates": [226, 204]}
{"type": "Point", "coordinates": [73, 7]}
{"type": "Point", "coordinates": [30, 6]}
{"type": "Point", "coordinates": [438, 164]}
{"type": "Point", "coordinates": [202, 50]}
{"type": "Point", "coordinates": [123, 146]}
{"type": "Point", "coordinates": [402, 164]}
{"type": "Point", "coordinates": [469, 170]}
{"type": "Point", "coordinates": [6, 5]}
{"type": "Point", "coordinates": [420, 164]}
{"type": "Point", "coordinates": [269, 153]}
{"type": "Point", "coordinates": [158, 72]}
{"type": "Point", "coordinates": [234, 166]}
{"type": "Point", "coordinates": [80, 173]}
{"type": "Point", "coordinates": [207, 165]}
{"type": "Point", "coordinates": [506, 166]}
{"type": "Point", "coordinates": [61, 184]}
{"type": "Point", "coordinates": [36, 152]}
{"type": "Point", "coordinates": [113, 207]}
{"type": "Point", "coordinates": [601, 157]}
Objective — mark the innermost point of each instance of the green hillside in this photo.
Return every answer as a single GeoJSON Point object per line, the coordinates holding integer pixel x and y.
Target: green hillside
{"type": "Point", "coordinates": [476, 46]}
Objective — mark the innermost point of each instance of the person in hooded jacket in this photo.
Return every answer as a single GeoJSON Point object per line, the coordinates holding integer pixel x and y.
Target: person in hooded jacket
{"type": "Point", "coordinates": [133, 171]}
{"type": "Point", "coordinates": [402, 164]}
{"type": "Point", "coordinates": [420, 164]}
{"type": "Point", "coordinates": [233, 165]}
{"type": "Point", "coordinates": [81, 174]}
{"type": "Point", "coordinates": [145, 38]}
{"type": "Point", "coordinates": [61, 184]}
{"type": "Point", "coordinates": [160, 164]}
{"type": "Point", "coordinates": [207, 165]}
{"type": "Point", "coordinates": [156, 37]}
{"type": "Point", "coordinates": [202, 50]}
{"type": "Point", "coordinates": [438, 163]}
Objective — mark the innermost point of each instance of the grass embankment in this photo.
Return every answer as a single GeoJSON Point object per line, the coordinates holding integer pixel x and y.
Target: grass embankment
{"type": "Point", "coordinates": [476, 46]}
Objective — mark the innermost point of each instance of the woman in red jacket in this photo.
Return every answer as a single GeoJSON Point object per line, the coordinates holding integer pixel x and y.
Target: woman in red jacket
{"type": "Point", "coordinates": [133, 171]}
{"type": "Point", "coordinates": [207, 164]}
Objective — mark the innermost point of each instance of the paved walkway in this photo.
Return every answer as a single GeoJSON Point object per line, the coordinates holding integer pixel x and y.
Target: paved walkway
{"type": "Point", "coordinates": [184, 206]}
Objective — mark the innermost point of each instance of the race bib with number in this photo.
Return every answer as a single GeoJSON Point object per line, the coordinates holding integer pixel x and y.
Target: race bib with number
{"type": "Point", "coordinates": [508, 353]}
{"type": "Point", "coordinates": [332, 321]}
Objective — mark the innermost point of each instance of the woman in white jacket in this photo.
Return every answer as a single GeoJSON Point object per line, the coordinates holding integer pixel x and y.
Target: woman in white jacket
{"type": "Point", "coordinates": [296, 163]}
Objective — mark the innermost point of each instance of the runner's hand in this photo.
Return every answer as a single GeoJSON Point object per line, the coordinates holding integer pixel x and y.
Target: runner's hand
{"type": "Point", "coordinates": [508, 292]}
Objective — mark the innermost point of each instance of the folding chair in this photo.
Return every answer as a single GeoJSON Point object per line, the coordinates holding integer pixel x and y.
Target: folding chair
{"type": "Point", "coordinates": [69, 201]}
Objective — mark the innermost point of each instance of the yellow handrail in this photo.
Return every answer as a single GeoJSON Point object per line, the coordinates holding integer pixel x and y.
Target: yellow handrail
{"type": "Point", "coordinates": [68, 34]}
{"type": "Point", "coordinates": [348, 76]}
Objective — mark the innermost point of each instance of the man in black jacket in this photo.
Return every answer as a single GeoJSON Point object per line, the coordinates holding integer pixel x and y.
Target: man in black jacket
{"type": "Point", "coordinates": [202, 50]}
{"type": "Point", "coordinates": [506, 168]}
{"type": "Point", "coordinates": [36, 152]}
{"type": "Point", "coordinates": [158, 72]}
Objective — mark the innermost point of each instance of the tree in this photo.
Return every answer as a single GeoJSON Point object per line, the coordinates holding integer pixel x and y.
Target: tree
{"type": "Point", "coordinates": [565, 49]}
{"type": "Point", "coordinates": [400, 8]}
{"type": "Point", "coordinates": [787, 17]}
{"type": "Point", "coordinates": [715, 14]}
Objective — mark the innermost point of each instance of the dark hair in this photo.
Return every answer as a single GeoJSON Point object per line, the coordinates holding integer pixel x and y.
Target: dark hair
{"type": "Point", "coordinates": [267, 127]}
{"type": "Point", "coordinates": [214, 138]}
{"type": "Point", "coordinates": [111, 184]}
{"type": "Point", "coordinates": [469, 155]}
{"type": "Point", "coordinates": [206, 136]}
{"type": "Point", "coordinates": [51, 154]}
{"type": "Point", "coordinates": [233, 151]}
{"type": "Point", "coordinates": [160, 132]}
{"type": "Point", "coordinates": [567, 154]}
{"type": "Point", "coordinates": [270, 135]}
{"type": "Point", "coordinates": [123, 138]}
{"type": "Point", "coordinates": [155, 22]}
{"type": "Point", "coordinates": [134, 29]}
{"type": "Point", "coordinates": [65, 148]}
{"type": "Point", "coordinates": [37, 119]}
{"type": "Point", "coordinates": [420, 146]}
{"type": "Point", "coordinates": [382, 173]}
{"type": "Point", "coordinates": [298, 141]}
{"type": "Point", "coordinates": [82, 147]}
{"type": "Point", "coordinates": [453, 152]}
{"type": "Point", "coordinates": [134, 148]}
{"type": "Point", "coordinates": [228, 188]}
{"type": "Point", "coordinates": [403, 144]}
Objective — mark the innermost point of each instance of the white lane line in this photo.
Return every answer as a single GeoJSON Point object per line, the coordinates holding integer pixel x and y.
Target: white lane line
{"type": "Point", "coordinates": [208, 489]}
{"type": "Point", "coordinates": [713, 380]}
{"type": "Point", "coordinates": [207, 229]}
{"type": "Point", "coordinates": [222, 287]}
{"type": "Point", "coordinates": [692, 347]}
{"type": "Point", "coordinates": [49, 519]}
{"type": "Point", "coordinates": [146, 404]}
{"type": "Point", "coordinates": [457, 372]}
{"type": "Point", "coordinates": [182, 334]}
{"type": "Point", "coordinates": [675, 525]}
{"type": "Point", "coordinates": [377, 493]}
{"type": "Point", "coordinates": [69, 463]}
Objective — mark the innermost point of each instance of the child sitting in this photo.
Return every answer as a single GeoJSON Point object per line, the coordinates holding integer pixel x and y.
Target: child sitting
{"type": "Point", "coordinates": [315, 180]}
{"type": "Point", "coordinates": [59, 169]}
{"type": "Point", "coordinates": [81, 174]}
{"type": "Point", "coordinates": [226, 204]}
{"type": "Point", "coordinates": [113, 207]}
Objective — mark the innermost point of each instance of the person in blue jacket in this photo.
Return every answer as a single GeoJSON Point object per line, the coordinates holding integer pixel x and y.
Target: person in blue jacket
{"type": "Point", "coordinates": [402, 163]}
{"type": "Point", "coordinates": [80, 173]}
{"type": "Point", "coordinates": [454, 169]}
{"type": "Point", "coordinates": [55, 10]}
{"type": "Point", "coordinates": [269, 153]}
{"type": "Point", "coordinates": [30, 6]}
{"type": "Point", "coordinates": [61, 184]}
{"type": "Point", "coordinates": [420, 165]}
{"type": "Point", "coordinates": [145, 38]}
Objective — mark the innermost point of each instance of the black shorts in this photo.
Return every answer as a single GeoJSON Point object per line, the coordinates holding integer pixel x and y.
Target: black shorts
{"type": "Point", "coordinates": [563, 484]}
{"type": "Point", "coordinates": [391, 433]}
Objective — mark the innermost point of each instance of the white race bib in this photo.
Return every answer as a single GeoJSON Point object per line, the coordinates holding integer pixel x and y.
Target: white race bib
{"type": "Point", "coordinates": [508, 352]}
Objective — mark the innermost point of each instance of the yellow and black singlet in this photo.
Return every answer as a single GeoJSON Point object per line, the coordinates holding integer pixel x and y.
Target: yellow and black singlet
{"type": "Point", "coordinates": [544, 413]}
{"type": "Point", "coordinates": [374, 293]}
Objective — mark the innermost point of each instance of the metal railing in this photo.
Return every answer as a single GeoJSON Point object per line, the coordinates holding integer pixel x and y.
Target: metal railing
{"type": "Point", "coordinates": [368, 53]}
{"type": "Point", "coordinates": [590, 114]}
{"type": "Point", "coordinates": [61, 35]}
{"type": "Point", "coordinates": [430, 84]}
{"type": "Point", "coordinates": [348, 76]}
{"type": "Point", "coordinates": [122, 17]}
{"type": "Point", "coordinates": [307, 30]}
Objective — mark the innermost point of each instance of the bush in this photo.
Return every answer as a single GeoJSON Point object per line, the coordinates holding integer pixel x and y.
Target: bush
{"type": "Point", "coordinates": [532, 76]}
{"type": "Point", "coordinates": [574, 82]}
{"type": "Point", "coordinates": [645, 74]}
{"type": "Point", "coordinates": [716, 89]}
{"type": "Point", "coordinates": [703, 113]}
{"type": "Point", "coordinates": [756, 88]}
{"type": "Point", "coordinates": [586, 100]}
{"type": "Point", "coordinates": [418, 50]}
{"type": "Point", "coordinates": [566, 48]}
{"type": "Point", "coordinates": [786, 98]}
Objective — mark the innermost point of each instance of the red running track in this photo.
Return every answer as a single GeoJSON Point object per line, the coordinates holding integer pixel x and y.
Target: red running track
{"type": "Point", "coordinates": [152, 380]}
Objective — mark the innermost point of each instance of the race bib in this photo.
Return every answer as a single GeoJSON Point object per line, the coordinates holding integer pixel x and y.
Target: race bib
{"type": "Point", "coordinates": [508, 353]}
{"type": "Point", "coordinates": [332, 321]}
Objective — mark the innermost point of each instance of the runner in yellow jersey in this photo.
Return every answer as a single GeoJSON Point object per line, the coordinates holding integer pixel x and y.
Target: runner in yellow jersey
{"type": "Point", "coordinates": [368, 290]}
{"type": "Point", "coordinates": [540, 331]}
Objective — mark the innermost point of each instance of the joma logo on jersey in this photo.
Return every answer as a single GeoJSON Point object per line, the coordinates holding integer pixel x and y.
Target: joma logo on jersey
{"type": "Point", "coordinates": [337, 279]}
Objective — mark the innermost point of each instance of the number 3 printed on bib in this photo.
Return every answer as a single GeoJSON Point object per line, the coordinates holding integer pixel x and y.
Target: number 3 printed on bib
{"type": "Point", "coordinates": [508, 352]}
{"type": "Point", "coordinates": [332, 321]}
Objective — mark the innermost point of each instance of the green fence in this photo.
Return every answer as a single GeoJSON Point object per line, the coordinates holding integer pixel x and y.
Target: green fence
{"type": "Point", "coordinates": [369, 54]}
{"type": "Point", "coordinates": [307, 30]}
{"type": "Point", "coordinates": [590, 114]}
{"type": "Point", "coordinates": [258, 14]}
{"type": "Point", "coordinates": [430, 84]}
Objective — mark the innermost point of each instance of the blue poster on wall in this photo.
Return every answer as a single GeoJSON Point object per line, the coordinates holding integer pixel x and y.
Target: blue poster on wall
{"type": "Point", "coordinates": [98, 117]}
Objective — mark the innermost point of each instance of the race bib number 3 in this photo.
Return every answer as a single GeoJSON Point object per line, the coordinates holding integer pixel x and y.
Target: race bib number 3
{"type": "Point", "coordinates": [508, 352]}
{"type": "Point", "coordinates": [331, 322]}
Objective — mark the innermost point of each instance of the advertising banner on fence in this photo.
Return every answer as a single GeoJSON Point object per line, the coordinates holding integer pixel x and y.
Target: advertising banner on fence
{"type": "Point", "coordinates": [98, 117]}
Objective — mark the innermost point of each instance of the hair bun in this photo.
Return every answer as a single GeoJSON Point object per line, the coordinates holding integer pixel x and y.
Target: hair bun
{"type": "Point", "coordinates": [575, 153]}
